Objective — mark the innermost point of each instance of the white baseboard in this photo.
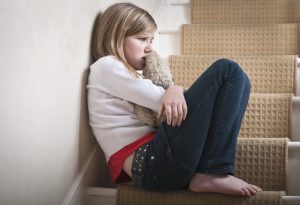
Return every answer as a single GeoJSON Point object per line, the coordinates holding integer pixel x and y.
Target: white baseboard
{"type": "Point", "coordinates": [78, 190]}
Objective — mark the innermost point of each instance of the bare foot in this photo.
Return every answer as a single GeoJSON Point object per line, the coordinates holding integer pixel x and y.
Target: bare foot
{"type": "Point", "coordinates": [224, 184]}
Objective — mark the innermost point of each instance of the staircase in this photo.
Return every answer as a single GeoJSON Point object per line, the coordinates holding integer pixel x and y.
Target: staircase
{"type": "Point", "coordinates": [263, 37]}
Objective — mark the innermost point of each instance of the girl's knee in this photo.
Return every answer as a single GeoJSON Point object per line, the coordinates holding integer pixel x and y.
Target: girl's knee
{"type": "Point", "coordinates": [228, 67]}
{"type": "Point", "coordinates": [232, 69]}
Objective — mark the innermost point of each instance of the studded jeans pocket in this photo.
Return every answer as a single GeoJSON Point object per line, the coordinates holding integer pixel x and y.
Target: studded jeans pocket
{"type": "Point", "coordinates": [138, 164]}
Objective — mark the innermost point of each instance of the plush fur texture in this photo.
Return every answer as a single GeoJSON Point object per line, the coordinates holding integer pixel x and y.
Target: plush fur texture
{"type": "Point", "coordinates": [157, 70]}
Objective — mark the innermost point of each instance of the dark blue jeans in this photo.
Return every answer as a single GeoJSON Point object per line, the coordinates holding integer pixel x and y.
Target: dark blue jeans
{"type": "Point", "coordinates": [206, 141]}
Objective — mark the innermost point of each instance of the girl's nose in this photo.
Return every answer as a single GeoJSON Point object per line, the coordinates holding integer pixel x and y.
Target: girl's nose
{"type": "Point", "coordinates": [148, 49]}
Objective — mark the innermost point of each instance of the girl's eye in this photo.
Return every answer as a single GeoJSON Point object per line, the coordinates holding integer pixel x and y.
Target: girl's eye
{"type": "Point", "coordinates": [143, 39]}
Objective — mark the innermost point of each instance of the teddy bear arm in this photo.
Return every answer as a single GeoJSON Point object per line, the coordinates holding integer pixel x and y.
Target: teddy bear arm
{"type": "Point", "coordinates": [146, 115]}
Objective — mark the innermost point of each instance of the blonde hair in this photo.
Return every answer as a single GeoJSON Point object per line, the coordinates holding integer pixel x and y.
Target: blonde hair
{"type": "Point", "coordinates": [117, 22]}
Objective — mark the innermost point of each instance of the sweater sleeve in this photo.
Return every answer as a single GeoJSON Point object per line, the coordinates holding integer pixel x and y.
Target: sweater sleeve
{"type": "Point", "coordinates": [111, 76]}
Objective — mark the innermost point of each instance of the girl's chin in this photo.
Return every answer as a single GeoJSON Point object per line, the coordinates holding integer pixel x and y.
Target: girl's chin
{"type": "Point", "coordinates": [140, 67]}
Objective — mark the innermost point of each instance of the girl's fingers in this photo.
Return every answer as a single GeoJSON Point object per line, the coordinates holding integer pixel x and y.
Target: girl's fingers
{"type": "Point", "coordinates": [184, 110]}
{"type": "Point", "coordinates": [173, 105]}
{"type": "Point", "coordinates": [160, 113]}
{"type": "Point", "coordinates": [180, 115]}
{"type": "Point", "coordinates": [168, 112]}
{"type": "Point", "coordinates": [174, 115]}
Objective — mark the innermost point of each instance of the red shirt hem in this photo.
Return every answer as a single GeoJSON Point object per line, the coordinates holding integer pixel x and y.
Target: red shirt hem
{"type": "Point", "coordinates": [116, 161]}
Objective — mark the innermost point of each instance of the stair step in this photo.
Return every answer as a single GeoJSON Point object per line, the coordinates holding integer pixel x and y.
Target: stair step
{"type": "Point", "coordinates": [210, 39]}
{"type": "Point", "coordinates": [262, 162]}
{"type": "Point", "coordinates": [268, 74]}
{"type": "Point", "coordinates": [267, 116]}
{"type": "Point", "coordinates": [107, 196]}
{"type": "Point", "coordinates": [131, 195]}
{"type": "Point", "coordinates": [241, 11]}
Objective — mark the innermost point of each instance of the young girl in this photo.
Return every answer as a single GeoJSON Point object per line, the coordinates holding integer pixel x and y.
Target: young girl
{"type": "Point", "coordinates": [195, 148]}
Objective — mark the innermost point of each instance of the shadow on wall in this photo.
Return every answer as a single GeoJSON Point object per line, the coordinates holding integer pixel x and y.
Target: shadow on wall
{"type": "Point", "coordinates": [97, 173]}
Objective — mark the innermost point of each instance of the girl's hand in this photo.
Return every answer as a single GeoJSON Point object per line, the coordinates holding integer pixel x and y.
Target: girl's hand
{"type": "Point", "coordinates": [173, 105]}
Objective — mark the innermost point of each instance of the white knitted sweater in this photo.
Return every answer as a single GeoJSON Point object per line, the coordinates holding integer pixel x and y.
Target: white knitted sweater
{"type": "Point", "coordinates": [112, 90]}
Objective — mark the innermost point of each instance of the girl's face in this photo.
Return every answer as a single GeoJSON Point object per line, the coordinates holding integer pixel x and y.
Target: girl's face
{"type": "Point", "coordinates": [136, 48]}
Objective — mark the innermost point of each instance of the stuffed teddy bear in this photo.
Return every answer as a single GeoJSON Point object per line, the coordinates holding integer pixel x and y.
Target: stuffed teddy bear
{"type": "Point", "coordinates": [157, 70]}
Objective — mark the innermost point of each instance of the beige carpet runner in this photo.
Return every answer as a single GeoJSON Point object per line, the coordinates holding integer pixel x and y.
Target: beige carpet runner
{"type": "Point", "coordinates": [267, 116]}
{"type": "Point", "coordinates": [227, 39]}
{"type": "Point", "coordinates": [268, 74]}
{"type": "Point", "coordinates": [130, 195]}
{"type": "Point", "coordinates": [245, 11]}
{"type": "Point", "coordinates": [263, 162]}
{"type": "Point", "coordinates": [262, 36]}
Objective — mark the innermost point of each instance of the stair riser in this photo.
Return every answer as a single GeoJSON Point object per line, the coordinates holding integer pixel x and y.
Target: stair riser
{"type": "Point", "coordinates": [268, 74]}
{"type": "Point", "coordinates": [267, 116]}
{"type": "Point", "coordinates": [281, 39]}
{"type": "Point", "coordinates": [245, 12]}
{"type": "Point", "coordinates": [107, 200]}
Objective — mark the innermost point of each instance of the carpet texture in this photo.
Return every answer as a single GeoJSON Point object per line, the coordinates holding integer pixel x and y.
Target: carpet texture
{"type": "Point", "coordinates": [130, 195]}
{"type": "Point", "coordinates": [245, 12]}
{"type": "Point", "coordinates": [268, 74]}
{"type": "Point", "coordinates": [257, 39]}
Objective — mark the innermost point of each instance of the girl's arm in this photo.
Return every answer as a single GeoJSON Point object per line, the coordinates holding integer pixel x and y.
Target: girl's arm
{"type": "Point", "coordinates": [111, 76]}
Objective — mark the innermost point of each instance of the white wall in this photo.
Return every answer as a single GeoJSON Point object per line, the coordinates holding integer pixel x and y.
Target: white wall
{"type": "Point", "coordinates": [44, 59]}
{"type": "Point", "coordinates": [44, 133]}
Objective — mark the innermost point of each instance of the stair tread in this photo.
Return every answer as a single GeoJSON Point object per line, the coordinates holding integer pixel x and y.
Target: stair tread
{"type": "Point", "coordinates": [268, 74]}
{"type": "Point", "coordinates": [133, 195]}
{"type": "Point", "coordinates": [262, 162]}
{"type": "Point", "coordinates": [210, 39]}
{"type": "Point", "coordinates": [241, 11]}
{"type": "Point", "coordinates": [267, 116]}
